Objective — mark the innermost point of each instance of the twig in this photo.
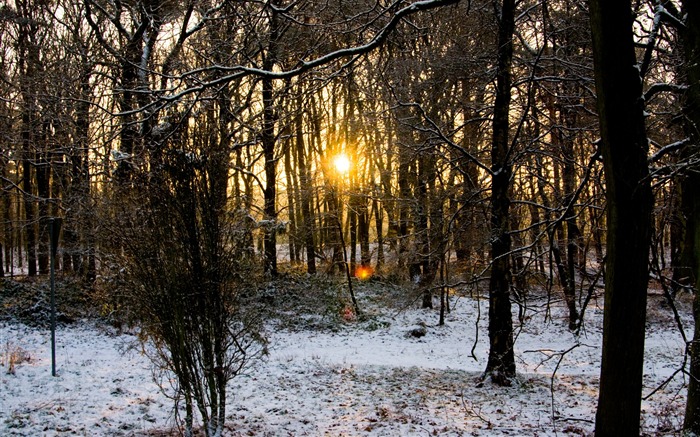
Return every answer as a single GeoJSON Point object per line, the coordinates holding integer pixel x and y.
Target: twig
{"type": "Point", "coordinates": [669, 379]}
{"type": "Point", "coordinates": [551, 382]}
{"type": "Point", "coordinates": [472, 412]}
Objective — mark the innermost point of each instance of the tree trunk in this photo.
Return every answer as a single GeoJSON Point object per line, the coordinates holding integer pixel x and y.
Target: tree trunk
{"type": "Point", "coordinates": [692, 182]}
{"type": "Point", "coordinates": [291, 205]}
{"type": "Point", "coordinates": [43, 172]}
{"type": "Point", "coordinates": [501, 362]}
{"type": "Point", "coordinates": [691, 423]}
{"type": "Point", "coordinates": [469, 225]}
{"type": "Point", "coordinates": [352, 224]}
{"type": "Point", "coordinates": [268, 145]}
{"type": "Point", "coordinates": [624, 148]}
{"type": "Point", "coordinates": [379, 226]}
{"type": "Point", "coordinates": [28, 59]}
{"type": "Point", "coordinates": [405, 191]}
{"type": "Point", "coordinates": [306, 192]}
{"type": "Point", "coordinates": [5, 218]}
{"type": "Point", "coordinates": [29, 215]}
{"type": "Point", "coordinates": [363, 224]}
{"type": "Point", "coordinates": [129, 134]}
{"type": "Point", "coordinates": [422, 237]}
{"type": "Point", "coordinates": [573, 233]}
{"type": "Point", "coordinates": [679, 271]}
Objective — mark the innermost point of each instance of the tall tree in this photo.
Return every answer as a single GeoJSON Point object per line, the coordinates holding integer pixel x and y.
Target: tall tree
{"type": "Point", "coordinates": [29, 66]}
{"type": "Point", "coordinates": [691, 42]}
{"type": "Point", "coordinates": [268, 140]}
{"type": "Point", "coordinates": [305, 188]}
{"type": "Point", "coordinates": [501, 362]}
{"type": "Point", "coordinates": [624, 147]}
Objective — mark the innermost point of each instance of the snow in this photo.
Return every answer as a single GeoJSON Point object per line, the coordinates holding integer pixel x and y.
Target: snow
{"type": "Point", "coordinates": [368, 378]}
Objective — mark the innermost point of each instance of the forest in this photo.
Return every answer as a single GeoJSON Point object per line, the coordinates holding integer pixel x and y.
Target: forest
{"type": "Point", "coordinates": [213, 164]}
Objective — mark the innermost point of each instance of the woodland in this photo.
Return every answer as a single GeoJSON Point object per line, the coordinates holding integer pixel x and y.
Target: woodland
{"type": "Point", "coordinates": [195, 152]}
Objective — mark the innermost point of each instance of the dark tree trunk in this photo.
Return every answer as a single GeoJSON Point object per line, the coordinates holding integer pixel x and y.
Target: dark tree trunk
{"type": "Point", "coordinates": [352, 224]}
{"type": "Point", "coordinates": [573, 233]}
{"type": "Point", "coordinates": [80, 256]}
{"type": "Point", "coordinates": [692, 182]}
{"type": "Point", "coordinates": [270, 191]}
{"type": "Point", "coordinates": [350, 126]}
{"type": "Point", "coordinates": [405, 191]}
{"type": "Point", "coordinates": [268, 145]}
{"type": "Point", "coordinates": [291, 204]}
{"type": "Point", "coordinates": [127, 103]}
{"type": "Point", "coordinates": [43, 192]}
{"type": "Point", "coordinates": [692, 410]}
{"type": "Point", "coordinates": [501, 362]}
{"type": "Point", "coordinates": [437, 237]}
{"type": "Point", "coordinates": [306, 192]}
{"type": "Point", "coordinates": [363, 223]}
{"type": "Point", "coordinates": [422, 237]}
{"type": "Point", "coordinates": [624, 148]}
{"type": "Point", "coordinates": [379, 225]}
{"type": "Point", "coordinates": [29, 215]}
{"type": "Point", "coordinates": [680, 273]}
{"type": "Point", "coordinates": [9, 245]}
{"type": "Point", "coordinates": [565, 280]}
{"type": "Point", "coordinates": [469, 224]}
{"type": "Point", "coordinates": [27, 59]}
{"type": "Point", "coordinates": [5, 218]}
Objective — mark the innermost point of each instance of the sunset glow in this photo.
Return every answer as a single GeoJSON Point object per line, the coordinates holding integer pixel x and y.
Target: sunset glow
{"type": "Point", "coordinates": [341, 163]}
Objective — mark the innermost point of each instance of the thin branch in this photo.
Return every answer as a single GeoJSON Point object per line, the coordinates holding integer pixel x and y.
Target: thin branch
{"type": "Point", "coordinates": [354, 53]}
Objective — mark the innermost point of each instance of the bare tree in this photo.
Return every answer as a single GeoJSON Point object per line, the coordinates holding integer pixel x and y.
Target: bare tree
{"type": "Point", "coordinates": [624, 147]}
{"type": "Point", "coordinates": [501, 362]}
{"type": "Point", "coordinates": [691, 42]}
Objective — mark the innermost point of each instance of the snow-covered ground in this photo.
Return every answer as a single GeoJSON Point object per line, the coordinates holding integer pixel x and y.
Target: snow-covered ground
{"type": "Point", "coordinates": [367, 378]}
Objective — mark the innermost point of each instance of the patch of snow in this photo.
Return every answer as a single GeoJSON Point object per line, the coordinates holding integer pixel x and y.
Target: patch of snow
{"type": "Point", "coordinates": [354, 382]}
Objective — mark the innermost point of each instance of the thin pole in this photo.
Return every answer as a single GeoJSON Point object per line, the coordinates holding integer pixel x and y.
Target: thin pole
{"type": "Point", "coordinates": [53, 300]}
{"type": "Point", "coordinates": [54, 230]}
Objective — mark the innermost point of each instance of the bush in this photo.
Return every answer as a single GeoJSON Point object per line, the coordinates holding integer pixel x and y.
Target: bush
{"type": "Point", "coordinates": [186, 274]}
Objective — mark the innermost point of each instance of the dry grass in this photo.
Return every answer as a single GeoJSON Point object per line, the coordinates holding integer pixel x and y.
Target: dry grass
{"type": "Point", "coordinates": [13, 356]}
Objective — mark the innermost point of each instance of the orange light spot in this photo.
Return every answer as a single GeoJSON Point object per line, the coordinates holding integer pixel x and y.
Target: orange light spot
{"type": "Point", "coordinates": [363, 272]}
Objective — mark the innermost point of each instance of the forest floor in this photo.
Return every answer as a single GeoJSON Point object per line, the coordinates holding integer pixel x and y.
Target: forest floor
{"type": "Point", "coordinates": [326, 375]}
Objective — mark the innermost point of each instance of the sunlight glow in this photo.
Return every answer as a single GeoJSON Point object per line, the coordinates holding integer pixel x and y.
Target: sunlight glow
{"type": "Point", "coordinates": [363, 272]}
{"type": "Point", "coordinates": [341, 163]}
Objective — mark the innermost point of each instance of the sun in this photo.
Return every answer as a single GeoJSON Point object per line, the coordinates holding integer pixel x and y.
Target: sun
{"type": "Point", "coordinates": [341, 163]}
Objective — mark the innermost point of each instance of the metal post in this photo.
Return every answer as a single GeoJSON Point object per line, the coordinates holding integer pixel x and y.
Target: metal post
{"type": "Point", "coordinates": [54, 231]}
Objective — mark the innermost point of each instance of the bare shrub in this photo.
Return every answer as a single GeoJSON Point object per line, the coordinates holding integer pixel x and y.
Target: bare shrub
{"type": "Point", "coordinates": [186, 277]}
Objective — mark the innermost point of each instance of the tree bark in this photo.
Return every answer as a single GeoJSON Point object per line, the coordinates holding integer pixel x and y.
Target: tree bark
{"type": "Point", "coordinates": [306, 192]}
{"type": "Point", "coordinates": [291, 204]}
{"type": "Point", "coordinates": [573, 233]}
{"type": "Point", "coordinates": [268, 146]}
{"type": "Point", "coordinates": [501, 361]}
{"type": "Point", "coordinates": [379, 227]}
{"type": "Point", "coordinates": [690, 186]}
{"type": "Point", "coordinates": [43, 175]}
{"type": "Point", "coordinates": [624, 148]}
{"type": "Point", "coordinates": [27, 63]}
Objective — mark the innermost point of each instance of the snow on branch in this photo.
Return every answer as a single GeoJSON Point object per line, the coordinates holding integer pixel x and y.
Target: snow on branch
{"type": "Point", "coordinates": [665, 150]}
{"type": "Point", "coordinates": [238, 71]}
{"type": "Point", "coordinates": [658, 88]}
